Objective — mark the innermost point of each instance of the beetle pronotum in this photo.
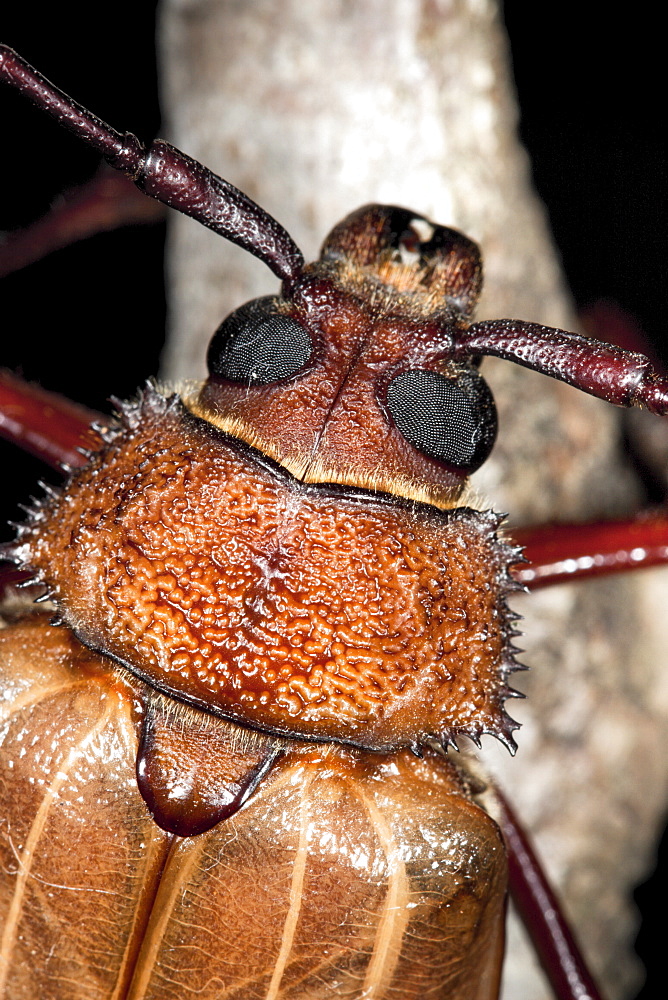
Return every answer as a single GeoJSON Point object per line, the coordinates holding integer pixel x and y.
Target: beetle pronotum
{"type": "Point", "coordinates": [228, 372]}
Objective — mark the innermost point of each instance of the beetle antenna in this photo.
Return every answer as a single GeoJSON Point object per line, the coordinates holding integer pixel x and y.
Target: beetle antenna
{"type": "Point", "coordinates": [165, 173]}
{"type": "Point", "coordinates": [622, 377]}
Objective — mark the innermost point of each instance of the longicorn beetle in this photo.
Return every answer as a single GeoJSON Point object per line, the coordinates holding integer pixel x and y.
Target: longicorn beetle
{"type": "Point", "coordinates": [271, 619]}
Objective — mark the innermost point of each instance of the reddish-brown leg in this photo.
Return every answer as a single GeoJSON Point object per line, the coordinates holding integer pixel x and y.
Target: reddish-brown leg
{"type": "Point", "coordinates": [558, 553]}
{"type": "Point", "coordinates": [539, 909]}
{"type": "Point", "coordinates": [45, 424]}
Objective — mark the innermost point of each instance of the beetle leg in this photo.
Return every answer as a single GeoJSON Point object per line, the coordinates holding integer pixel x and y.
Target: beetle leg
{"type": "Point", "coordinates": [560, 552]}
{"type": "Point", "coordinates": [47, 425]}
{"type": "Point", "coordinates": [541, 914]}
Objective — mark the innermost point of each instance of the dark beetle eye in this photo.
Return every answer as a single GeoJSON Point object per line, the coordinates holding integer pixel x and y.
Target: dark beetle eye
{"type": "Point", "coordinates": [256, 344]}
{"type": "Point", "coordinates": [452, 418]}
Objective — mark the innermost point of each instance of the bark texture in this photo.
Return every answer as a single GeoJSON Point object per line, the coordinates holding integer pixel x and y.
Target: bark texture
{"type": "Point", "coordinates": [316, 109]}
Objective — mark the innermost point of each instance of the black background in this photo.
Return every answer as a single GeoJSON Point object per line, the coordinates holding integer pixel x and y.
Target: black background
{"type": "Point", "coordinates": [589, 92]}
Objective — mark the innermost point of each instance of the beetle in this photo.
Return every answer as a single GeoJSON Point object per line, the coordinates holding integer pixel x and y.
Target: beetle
{"type": "Point", "coordinates": [394, 224]}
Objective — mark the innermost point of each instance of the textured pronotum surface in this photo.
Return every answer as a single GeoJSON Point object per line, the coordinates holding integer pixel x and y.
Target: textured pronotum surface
{"type": "Point", "coordinates": [291, 607]}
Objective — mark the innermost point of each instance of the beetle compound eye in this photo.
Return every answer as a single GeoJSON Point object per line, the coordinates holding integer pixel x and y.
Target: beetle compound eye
{"type": "Point", "coordinates": [452, 418]}
{"type": "Point", "coordinates": [257, 345]}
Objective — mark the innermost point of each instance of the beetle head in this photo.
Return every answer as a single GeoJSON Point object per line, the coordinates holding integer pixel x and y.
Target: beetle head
{"type": "Point", "coordinates": [349, 377]}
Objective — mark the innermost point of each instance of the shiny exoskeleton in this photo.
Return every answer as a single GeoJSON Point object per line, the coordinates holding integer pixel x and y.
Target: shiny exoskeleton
{"type": "Point", "coordinates": [225, 745]}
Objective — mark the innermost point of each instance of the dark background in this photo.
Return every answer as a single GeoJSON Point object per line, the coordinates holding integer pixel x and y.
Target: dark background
{"type": "Point", "coordinates": [588, 91]}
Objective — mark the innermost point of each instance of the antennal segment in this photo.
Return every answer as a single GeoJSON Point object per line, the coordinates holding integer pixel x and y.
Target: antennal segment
{"type": "Point", "coordinates": [621, 377]}
{"type": "Point", "coordinates": [165, 173]}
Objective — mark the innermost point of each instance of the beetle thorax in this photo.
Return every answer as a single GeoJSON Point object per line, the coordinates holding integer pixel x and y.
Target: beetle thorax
{"type": "Point", "coordinates": [223, 581]}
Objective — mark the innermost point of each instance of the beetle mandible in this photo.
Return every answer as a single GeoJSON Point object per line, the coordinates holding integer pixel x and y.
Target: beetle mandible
{"type": "Point", "coordinates": [387, 240]}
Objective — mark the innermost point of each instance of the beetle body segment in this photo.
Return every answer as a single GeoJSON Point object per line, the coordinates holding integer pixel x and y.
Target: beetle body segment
{"type": "Point", "coordinates": [222, 581]}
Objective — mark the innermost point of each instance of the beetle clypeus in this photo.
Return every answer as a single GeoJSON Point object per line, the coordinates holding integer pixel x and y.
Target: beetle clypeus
{"type": "Point", "coordinates": [263, 623]}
